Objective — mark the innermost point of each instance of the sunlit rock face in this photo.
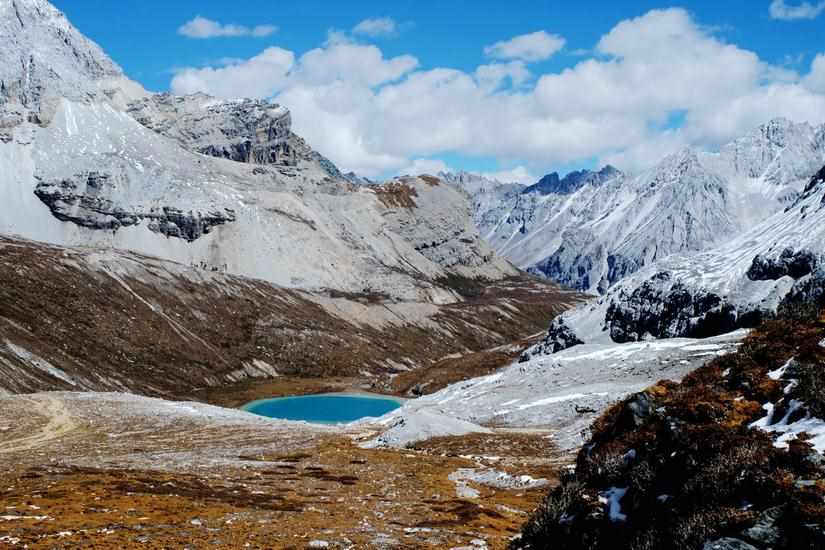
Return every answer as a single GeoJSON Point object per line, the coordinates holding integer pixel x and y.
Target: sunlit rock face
{"type": "Point", "coordinates": [251, 131]}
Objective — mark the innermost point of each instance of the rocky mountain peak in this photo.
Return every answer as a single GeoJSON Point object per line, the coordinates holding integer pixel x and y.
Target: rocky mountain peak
{"type": "Point", "coordinates": [473, 183]}
{"type": "Point", "coordinates": [46, 58]}
{"type": "Point", "coordinates": [23, 11]}
{"type": "Point", "coordinates": [572, 182]}
{"type": "Point", "coordinates": [676, 166]}
{"type": "Point", "coordinates": [820, 137]}
{"type": "Point", "coordinates": [781, 152]}
{"type": "Point", "coordinates": [37, 28]}
{"type": "Point", "coordinates": [551, 183]}
{"type": "Point", "coordinates": [778, 130]}
{"type": "Point", "coordinates": [250, 131]}
{"type": "Point", "coordinates": [608, 172]}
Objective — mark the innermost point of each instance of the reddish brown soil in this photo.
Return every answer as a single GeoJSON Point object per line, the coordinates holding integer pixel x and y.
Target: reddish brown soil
{"type": "Point", "coordinates": [334, 492]}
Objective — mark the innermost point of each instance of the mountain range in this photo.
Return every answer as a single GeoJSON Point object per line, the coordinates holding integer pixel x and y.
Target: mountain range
{"type": "Point", "coordinates": [590, 230]}
{"type": "Point", "coordinates": [774, 266]}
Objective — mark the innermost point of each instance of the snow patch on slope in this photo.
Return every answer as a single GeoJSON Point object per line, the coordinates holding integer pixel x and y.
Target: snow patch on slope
{"type": "Point", "coordinates": [561, 393]}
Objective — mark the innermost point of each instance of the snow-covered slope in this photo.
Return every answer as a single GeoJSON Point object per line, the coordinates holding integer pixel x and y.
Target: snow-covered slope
{"type": "Point", "coordinates": [562, 393]}
{"type": "Point", "coordinates": [89, 158]}
{"type": "Point", "coordinates": [591, 229]}
{"type": "Point", "coordinates": [778, 262]}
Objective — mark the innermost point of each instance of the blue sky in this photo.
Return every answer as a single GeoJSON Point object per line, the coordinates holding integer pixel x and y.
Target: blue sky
{"type": "Point", "coordinates": [143, 37]}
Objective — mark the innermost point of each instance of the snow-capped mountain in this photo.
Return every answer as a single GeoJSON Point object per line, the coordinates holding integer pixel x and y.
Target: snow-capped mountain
{"type": "Point", "coordinates": [780, 262]}
{"type": "Point", "coordinates": [591, 229]}
{"type": "Point", "coordinates": [45, 59]}
{"type": "Point", "coordinates": [87, 157]}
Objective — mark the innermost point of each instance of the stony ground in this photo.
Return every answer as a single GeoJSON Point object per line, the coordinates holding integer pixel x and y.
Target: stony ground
{"type": "Point", "coordinates": [117, 471]}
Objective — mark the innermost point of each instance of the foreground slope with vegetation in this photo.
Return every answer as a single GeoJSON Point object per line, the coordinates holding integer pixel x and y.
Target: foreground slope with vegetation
{"type": "Point", "coordinates": [730, 458]}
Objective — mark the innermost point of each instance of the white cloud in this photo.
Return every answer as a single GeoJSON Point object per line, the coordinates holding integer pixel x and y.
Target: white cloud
{"type": "Point", "coordinates": [535, 46]}
{"type": "Point", "coordinates": [376, 26]}
{"type": "Point", "coordinates": [782, 11]}
{"type": "Point", "coordinates": [260, 76]}
{"type": "Point", "coordinates": [519, 174]}
{"type": "Point", "coordinates": [342, 59]}
{"type": "Point", "coordinates": [201, 27]}
{"type": "Point", "coordinates": [425, 166]}
{"type": "Point", "coordinates": [495, 75]}
{"type": "Point", "coordinates": [815, 81]}
{"type": "Point", "coordinates": [377, 115]}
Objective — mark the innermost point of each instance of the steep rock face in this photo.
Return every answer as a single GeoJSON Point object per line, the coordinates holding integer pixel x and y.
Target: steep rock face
{"type": "Point", "coordinates": [80, 200]}
{"type": "Point", "coordinates": [446, 235]}
{"type": "Point", "coordinates": [775, 265]}
{"type": "Point", "coordinates": [559, 338]}
{"type": "Point", "coordinates": [626, 224]}
{"type": "Point", "coordinates": [790, 263]}
{"type": "Point", "coordinates": [243, 130]}
{"type": "Point", "coordinates": [589, 230]}
{"type": "Point", "coordinates": [779, 152]}
{"type": "Point", "coordinates": [45, 59]}
{"type": "Point", "coordinates": [662, 308]}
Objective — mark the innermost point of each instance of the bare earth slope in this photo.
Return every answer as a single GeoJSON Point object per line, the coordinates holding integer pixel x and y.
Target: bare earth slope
{"type": "Point", "coordinates": [81, 319]}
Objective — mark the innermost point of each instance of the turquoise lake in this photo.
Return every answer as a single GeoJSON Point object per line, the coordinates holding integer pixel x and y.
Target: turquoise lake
{"type": "Point", "coordinates": [323, 409]}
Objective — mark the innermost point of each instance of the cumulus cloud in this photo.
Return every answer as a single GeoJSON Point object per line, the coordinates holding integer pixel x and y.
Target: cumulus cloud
{"type": "Point", "coordinates": [425, 166]}
{"type": "Point", "coordinates": [815, 81]}
{"type": "Point", "coordinates": [376, 115]}
{"type": "Point", "coordinates": [260, 76]}
{"type": "Point", "coordinates": [494, 75]}
{"type": "Point", "coordinates": [782, 11]}
{"type": "Point", "coordinates": [376, 26]}
{"type": "Point", "coordinates": [201, 27]}
{"type": "Point", "coordinates": [345, 60]}
{"type": "Point", "coordinates": [519, 174]}
{"type": "Point", "coordinates": [535, 46]}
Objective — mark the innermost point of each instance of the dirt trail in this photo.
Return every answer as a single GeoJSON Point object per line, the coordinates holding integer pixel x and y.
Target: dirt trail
{"type": "Point", "coordinates": [58, 424]}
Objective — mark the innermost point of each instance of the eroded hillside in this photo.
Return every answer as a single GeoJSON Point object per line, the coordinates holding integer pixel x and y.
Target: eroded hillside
{"type": "Point", "coordinates": [80, 319]}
